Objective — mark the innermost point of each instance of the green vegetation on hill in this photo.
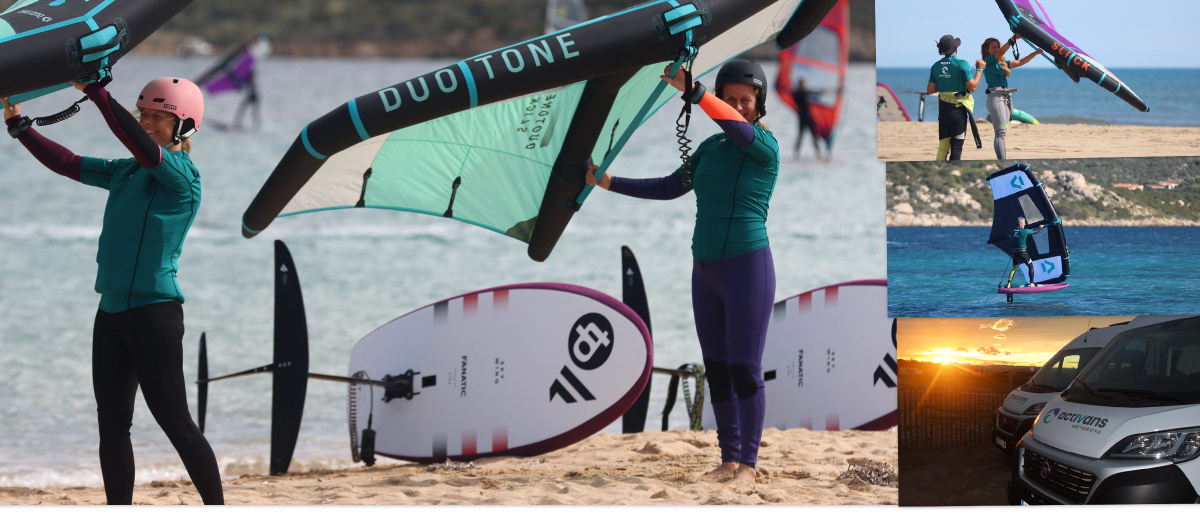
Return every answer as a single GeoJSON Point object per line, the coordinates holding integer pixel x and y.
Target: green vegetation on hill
{"type": "Point", "coordinates": [948, 188]}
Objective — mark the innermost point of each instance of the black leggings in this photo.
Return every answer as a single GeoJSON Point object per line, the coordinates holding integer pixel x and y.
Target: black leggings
{"type": "Point", "coordinates": [144, 346]}
{"type": "Point", "coordinates": [1019, 258]}
{"type": "Point", "coordinates": [952, 125]}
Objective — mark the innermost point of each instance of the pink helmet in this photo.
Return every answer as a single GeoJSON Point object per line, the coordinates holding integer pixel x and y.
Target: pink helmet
{"type": "Point", "coordinates": [177, 96]}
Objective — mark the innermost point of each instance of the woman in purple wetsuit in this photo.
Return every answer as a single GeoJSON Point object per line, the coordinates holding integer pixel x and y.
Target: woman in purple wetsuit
{"type": "Point", "coordinates": [733, 275]}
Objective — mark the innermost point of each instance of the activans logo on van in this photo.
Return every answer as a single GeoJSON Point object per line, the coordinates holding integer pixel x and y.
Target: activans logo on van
{"type": "Point", "coordinates": [1083, 422]}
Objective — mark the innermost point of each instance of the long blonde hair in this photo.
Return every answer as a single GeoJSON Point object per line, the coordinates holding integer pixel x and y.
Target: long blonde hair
{"type": "Point", "coordinates": [999, 58]}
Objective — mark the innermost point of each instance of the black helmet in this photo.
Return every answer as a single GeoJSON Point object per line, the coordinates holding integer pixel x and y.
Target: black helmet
{"type": "Point", "coordinates": [741, 71]}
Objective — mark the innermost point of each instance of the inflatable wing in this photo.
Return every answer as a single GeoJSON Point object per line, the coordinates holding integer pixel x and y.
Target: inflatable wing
{"type": "Point", "coordinates": [1035, 26]}
{"type": "Point", "coordinates": [45, 44]}
{"type": "Point", "coordinates": [1017, 192]}
{"type": "Point", "coordinates": [503, 140]}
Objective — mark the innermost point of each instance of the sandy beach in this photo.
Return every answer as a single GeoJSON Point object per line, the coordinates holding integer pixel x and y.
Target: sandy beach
{"type": "Point", "coordinates": [796, 466]}
{"type": "Point", "coordinates": [909, 141]}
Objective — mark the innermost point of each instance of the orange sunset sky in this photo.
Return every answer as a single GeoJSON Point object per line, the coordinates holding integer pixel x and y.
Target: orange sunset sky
{"type": "Point", "coordinates": [1014, 341]}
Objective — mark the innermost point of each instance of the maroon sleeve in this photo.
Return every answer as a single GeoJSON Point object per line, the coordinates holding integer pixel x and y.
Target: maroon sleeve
{"type": "Point", "coordinates": [50, 154]}
{"type": "Point", "coordinates": [125, 127]}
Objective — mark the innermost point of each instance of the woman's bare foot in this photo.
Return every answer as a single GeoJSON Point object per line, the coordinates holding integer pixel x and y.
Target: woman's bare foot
{"type": "Point", "coordinates": [724, 469]}
{"type": "Point", "coordinates": [744, 475]}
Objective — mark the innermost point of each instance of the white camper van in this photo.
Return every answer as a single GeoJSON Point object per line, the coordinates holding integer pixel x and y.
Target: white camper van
{"type": "Point", "coordinates": [1128, 429]}
{"type": "Point", "coordinates": [1023, 404]}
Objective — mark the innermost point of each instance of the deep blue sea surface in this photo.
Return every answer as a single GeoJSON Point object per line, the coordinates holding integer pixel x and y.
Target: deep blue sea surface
{"type": "Point", "coordinates": [941, 272]}
{"type": "Point", "coordinates": [1051, 97]}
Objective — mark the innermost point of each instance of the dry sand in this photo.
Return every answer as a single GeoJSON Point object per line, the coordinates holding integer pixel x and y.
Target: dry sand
{"type": "Point", "coordinates": [908, 141]}
{"type": "Point", "coordinates": [797, 466]}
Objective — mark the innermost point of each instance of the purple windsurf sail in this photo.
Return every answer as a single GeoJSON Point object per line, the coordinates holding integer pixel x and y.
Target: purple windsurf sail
{"type": "Point", "coordinates": [234, 71]}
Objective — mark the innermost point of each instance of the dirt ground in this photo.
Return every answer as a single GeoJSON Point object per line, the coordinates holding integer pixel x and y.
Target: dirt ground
{"type": "Point", "coordinates": [964, 476]}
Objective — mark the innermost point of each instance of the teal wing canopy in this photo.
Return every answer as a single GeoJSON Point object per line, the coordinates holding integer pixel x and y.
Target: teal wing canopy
{"type": "Point", "coordinates": [487, 166]}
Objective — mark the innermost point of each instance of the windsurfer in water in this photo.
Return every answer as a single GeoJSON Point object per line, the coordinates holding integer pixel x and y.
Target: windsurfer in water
{"type": "Point", "coordinates": [800, 96]}
{"type": "Point", "coordinates": [948, 78]}
{"type": "Point", "coordinates": [137, 339]}
{"type": "Point", "coordinates": [733, 275]}
{"type": "Point", "coordinates": [996, 70]}
{"type": "Point", "coordinates": [1019, 256]}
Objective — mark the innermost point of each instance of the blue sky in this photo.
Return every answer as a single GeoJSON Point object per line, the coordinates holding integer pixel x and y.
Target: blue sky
{"type": "Point", "coordinates": [1118, 33]}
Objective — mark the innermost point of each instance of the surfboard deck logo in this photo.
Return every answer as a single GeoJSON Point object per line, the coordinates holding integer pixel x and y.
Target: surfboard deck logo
{"type": "Point", "coordinates": [591, 341]}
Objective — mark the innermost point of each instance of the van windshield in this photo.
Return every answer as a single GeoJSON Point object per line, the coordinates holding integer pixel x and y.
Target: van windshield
{"type": "Point", "coordinates": [1149, 366]}
{"type": "Point", "coordinates": [1059, 371]}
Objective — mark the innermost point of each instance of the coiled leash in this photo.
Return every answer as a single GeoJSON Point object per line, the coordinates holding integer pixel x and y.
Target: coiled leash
{"type": "Point", "coordinates": [677, 22]}
{"type": "Point", "coordinates": [367, 454]}
{"type": "Point", "coordinates": [693, 92]}
{"type": "Point", "coordinates": [101, 77]}
{"type": "Point", "coordinates": [695, 409]}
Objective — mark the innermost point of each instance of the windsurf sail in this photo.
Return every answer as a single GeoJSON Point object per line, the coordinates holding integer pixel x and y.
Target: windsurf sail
{"type": "Point", "coordinates": [503, 140]}
{"type": "Point", "coordinates": [1029, 19]}
{"type": "Point", "coordinates": [1017, 192]}
{"type": "Point", "coordinates": [563, 14]}
{"type": "Point", "coordinates": [820, 60]}
{"type": "Point", "coordinates": [45, 44]}
{"type": "Point", "coordinates": [888, 106]}
{"type": "Point", "coordinates": [234, 73]}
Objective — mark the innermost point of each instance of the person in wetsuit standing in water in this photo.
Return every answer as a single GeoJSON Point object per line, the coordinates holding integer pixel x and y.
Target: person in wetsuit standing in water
{"type": "Point", "coordinates": [949, 79]}
{"type": "Point", "coordinates": [1019, 256]}
{"type": "Point", "coordinates": [807, 124]}
{"type": "Point", "coordinates": [137, 339]}
{"type": "Point", "coordinates": [733, 275]}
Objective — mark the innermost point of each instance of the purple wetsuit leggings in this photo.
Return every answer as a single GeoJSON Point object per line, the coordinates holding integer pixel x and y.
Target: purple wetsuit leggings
{"type": "Point", "coordinates": [732, 300]}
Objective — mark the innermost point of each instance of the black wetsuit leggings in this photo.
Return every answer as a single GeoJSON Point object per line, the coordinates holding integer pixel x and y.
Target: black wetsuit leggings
{"type": "Point", "coordinates": [1021, 257]}
{"type": "Point", "coordinates": [808, 125]}
{"type": "Point", "coordinates": [952, 125]}
{"type": "Point", "coordinates": [144, 346]}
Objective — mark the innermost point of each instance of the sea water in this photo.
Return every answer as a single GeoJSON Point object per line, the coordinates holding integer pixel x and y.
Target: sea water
{"type": "Point", "coordinates": [942, 272]}
{"type": "Point", "coordinates": [359, 268]}
{"type": "Point", "coordinates": [1051, 97]}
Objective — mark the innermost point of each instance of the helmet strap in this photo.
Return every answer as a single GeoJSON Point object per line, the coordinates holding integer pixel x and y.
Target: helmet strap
{"type": "Point", "coordinates": [183, 130]}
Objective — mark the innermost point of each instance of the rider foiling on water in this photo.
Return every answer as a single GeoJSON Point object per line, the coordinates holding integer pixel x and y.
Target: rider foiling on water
{"type": "Point", "coordinates": [1019, 256]}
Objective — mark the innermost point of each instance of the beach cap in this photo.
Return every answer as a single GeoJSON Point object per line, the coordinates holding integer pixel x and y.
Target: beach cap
{"type": "Point", "coordinates": [178, 96]}
{"type": "Point", "coordinates": [948, 44]}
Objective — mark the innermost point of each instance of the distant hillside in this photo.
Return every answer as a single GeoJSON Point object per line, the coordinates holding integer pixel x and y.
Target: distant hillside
{"type": "Point", "coordinates": [951, 194]}
{"type": "Point", "coordinates": [403, 28]}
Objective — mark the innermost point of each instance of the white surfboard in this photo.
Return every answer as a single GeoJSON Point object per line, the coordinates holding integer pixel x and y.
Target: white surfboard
{"type": "Point", "coordinates": [515, 370]}
{"type": "Point", "coordinates": [830, 361]}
